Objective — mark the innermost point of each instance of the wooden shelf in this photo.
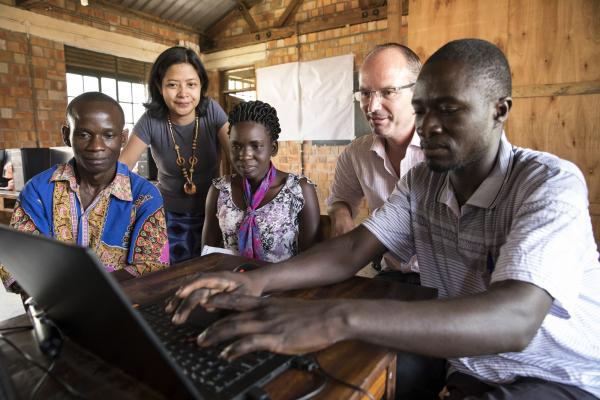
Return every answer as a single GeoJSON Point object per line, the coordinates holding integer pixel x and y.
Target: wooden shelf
{"type": "Point", "coordinates": [8, 199]}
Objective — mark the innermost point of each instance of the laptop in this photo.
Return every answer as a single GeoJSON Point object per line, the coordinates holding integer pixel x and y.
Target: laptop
{"type": "Point", "coordinates": [70, 284]}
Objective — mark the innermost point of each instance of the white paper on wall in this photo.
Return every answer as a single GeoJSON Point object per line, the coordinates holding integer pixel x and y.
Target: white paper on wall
{"type": "Point", "coordinates": [278, 86]}
{"type": "Point", "coordinates": [313, 99]}
{"type": "Point", "coordinates": [327, 111]}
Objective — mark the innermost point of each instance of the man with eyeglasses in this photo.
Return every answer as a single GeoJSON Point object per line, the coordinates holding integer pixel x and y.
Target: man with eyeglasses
{"type": "Point", "coordinates": [371, 165]}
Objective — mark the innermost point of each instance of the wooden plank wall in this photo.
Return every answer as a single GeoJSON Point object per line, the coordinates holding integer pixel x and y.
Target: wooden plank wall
{"type": "Point", "coordinates": [553, 47]}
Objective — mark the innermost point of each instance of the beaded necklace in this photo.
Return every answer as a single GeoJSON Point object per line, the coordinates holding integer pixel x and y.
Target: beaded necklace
{"type": "Point", "coordinates": [189, 187]}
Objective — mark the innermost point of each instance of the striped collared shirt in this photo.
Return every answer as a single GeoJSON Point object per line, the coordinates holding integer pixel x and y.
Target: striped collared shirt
{"type": "Point", "coordinates": [527, 221]}
{"type": "Point", "coordinates": [364, 170]}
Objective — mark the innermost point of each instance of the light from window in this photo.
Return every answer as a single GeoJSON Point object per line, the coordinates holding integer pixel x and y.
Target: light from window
{"type": "Point", "coordinates": [240, 86]}
{"type": "Point", "coordinates": [90, 84]}
{"type": "Point", "coordinates": [124, 91]}
{"type": "Point", "coordinates": [245, 96]}
{"type": "Point", "coordinates": [138, 92]}
{"type": "Point", "coordinates": [130, 95]}
{"type": "Point", "coordinates": [74, 85]}
{"type": "Point", "coordinates": [109, 87]}
{"type": "Point", "coordinates": [138, 111]}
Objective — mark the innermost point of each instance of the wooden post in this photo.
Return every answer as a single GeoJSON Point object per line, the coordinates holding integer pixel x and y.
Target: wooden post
{"type": "Point", "coordinates": [394, 17]}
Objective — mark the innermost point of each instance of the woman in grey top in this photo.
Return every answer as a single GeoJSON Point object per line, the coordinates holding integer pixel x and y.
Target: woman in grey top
{"type": "Point", "coordinates": [185, 131]}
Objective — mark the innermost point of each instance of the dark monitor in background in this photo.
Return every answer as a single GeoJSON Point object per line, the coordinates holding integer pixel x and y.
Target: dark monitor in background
{"type": "Point", "coordinates": [146, 166]}
{"type": "Point", "coordinates": [28, 162]}
{"type": "Point", "coordinates": [60, 155]}
{"type": "Point", "coordinates": [3, 160]}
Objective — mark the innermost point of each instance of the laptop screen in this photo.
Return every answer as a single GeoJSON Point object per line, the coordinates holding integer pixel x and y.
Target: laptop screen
{"type": "Point", "coordinates": [79, 296]}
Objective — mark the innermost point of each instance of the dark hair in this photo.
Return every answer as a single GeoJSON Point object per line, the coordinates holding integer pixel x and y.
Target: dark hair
{"type": "Point", "coordinates": [175, 55]}
{"type": "Point", "coordinates": [484, 62]}
{"type": "Point", "coordinates": [259, 112]}
{"type": "Point", "coordinates": [413, 62]}
{"type": "Point", "coordinates": [93, 96]}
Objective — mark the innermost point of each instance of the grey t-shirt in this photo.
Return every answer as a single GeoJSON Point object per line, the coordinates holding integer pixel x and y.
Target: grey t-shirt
{"type": "Point", "coordinates": [155, 133]}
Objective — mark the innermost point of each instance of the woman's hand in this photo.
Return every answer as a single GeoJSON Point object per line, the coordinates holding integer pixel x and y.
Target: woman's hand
{"type": "Point", "coordinates": [207, 285]}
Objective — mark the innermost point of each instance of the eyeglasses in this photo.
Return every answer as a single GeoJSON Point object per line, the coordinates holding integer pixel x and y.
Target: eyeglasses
{"type": "Point", "coordinates": [389, 93]}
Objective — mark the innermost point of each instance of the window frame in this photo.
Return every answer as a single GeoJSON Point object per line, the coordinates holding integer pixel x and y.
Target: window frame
{"type": "Point", "coordinates": [83, 72]}
{"type": "Point", "coordinates": [225, 91]}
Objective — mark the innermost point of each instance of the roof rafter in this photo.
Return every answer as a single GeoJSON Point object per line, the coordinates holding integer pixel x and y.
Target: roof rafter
{"type": "Point", "coordinates": [317, 24]}
{"type": "Point", "coordinates": [290, 10]}
{"type": "Point", "coordinates": [241, 7]}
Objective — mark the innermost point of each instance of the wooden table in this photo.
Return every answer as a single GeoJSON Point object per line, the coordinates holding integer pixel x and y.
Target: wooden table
{"type": "Point", "coordinates": [368, 366]}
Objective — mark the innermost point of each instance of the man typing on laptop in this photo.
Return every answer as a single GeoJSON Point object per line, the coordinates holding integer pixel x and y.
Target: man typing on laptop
{"type": "Point", "coordinates": [503, 233]}
{"type": "Point", "coordinates": [93, 200]}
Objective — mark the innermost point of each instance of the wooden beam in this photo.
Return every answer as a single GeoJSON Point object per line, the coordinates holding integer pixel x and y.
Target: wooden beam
{"type": "Point", "coordinates": [216, 28]}
{"type": "Point", "coordinates": [364, 4]}
{"type": "Point", "coordinates": [290, 10]}
{"type": "Point", "coordinates": [241, 7]}
{"type": "Point", "coordinates": [233, 58]}
{"type": "Point", "coordinates": [314, 25]}
{"type": "Point", "coordinates": [73, 34]}
{"type": "Point", "coordinates": [30, 3]}
{"type": "Point", "coordinates": [247, 39]}
{"type": "Point", "coordinates": [557, 89]}
{"type": "Point", "coordinates": [394, 20]}
{"type": "Point", "coordinates": [342, 19]}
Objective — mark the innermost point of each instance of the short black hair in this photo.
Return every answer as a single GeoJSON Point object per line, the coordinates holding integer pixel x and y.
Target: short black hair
{"type": "Point", "coordinates": [259, 112]}
{"type": "Point", "coordinates": [413, 61]}
{"type": "Point", "coordinates": [484, 61]}
{"type": "Point", "coordinates": [156, 105]}
{"type": "Point", "coordinates": [93, 96]}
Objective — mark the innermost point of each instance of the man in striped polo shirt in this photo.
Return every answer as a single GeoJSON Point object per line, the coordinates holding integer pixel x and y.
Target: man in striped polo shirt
{"type": "Point", "coordinates": [502, 232]}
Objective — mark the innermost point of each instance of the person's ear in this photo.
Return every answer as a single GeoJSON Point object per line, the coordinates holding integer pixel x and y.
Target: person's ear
{"type": "Point", "coordinates": [124, 136]}
{"type": "Point", "coordinates": [275, 148]}
{"type": "Point", "coordinates": [66, 133]}
{"type": "Point", "coordinates": [502, 110]}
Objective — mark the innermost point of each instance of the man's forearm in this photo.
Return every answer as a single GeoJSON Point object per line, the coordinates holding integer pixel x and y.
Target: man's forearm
{"type": "Point", "coordinates": [504, 319]}
{"type": "Point", "coordinates": [328, 262]}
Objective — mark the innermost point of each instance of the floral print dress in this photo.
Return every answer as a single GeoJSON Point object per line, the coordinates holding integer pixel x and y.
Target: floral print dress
{"type": "Point", "coordinates": [278, 220]}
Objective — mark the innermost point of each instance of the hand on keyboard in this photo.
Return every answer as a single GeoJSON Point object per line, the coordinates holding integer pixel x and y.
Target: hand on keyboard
{"type": "Point", "coordinates": [198, 292]}
{"type": "Point", "coordinates": [279, 325]}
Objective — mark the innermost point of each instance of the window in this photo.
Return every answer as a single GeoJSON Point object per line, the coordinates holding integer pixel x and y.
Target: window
{"type": "Point", "coordinates": [239, 85]}
{"type": "Point", "coordinates": [130, 95]}
{"type": "Point", "coordinates": [120, 78]}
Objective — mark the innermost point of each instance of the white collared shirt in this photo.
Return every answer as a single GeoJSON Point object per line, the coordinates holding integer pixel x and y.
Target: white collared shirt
{"type": "Point", "coordinates": [364, 170]}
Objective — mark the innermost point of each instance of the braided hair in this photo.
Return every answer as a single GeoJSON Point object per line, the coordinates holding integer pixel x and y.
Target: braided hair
{"type": "Point", "coordinates": [259, 112]}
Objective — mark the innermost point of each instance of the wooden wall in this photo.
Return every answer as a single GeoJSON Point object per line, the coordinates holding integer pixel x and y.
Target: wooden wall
{"type": "Point", "coordinates": [553, 47]}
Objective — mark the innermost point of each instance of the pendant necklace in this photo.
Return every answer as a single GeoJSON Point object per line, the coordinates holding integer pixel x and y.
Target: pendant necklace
{"type": "Point", "coordinates": [189, 187]}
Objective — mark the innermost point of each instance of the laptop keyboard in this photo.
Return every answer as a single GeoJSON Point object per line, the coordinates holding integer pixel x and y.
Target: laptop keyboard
{"type": "Point", "coordinates": [201, 364]}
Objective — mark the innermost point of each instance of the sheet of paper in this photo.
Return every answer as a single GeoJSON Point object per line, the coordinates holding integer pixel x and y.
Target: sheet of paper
{"type": "Point", "coordinates": [210, 249]}
{"type": "Point", "coordinates": [313, 99]}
